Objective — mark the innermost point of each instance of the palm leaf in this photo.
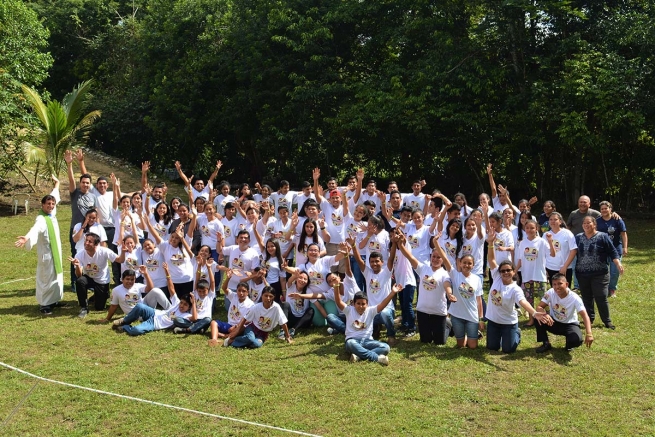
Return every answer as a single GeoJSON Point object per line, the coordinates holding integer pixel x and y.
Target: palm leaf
{"type": "Point", "coordinates": [37, 104]}
{"type": "Point", "coordinates": [75, 101]}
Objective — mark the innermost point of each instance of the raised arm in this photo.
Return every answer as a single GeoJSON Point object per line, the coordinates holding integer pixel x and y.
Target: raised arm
{"type": "Point", "coordinates": [316, 174]}
{"type": "Point", "coordinates": [145, 166]}
{"type": "Point", "coordinates": [169, 281]}
{"type": "Point", "coordinates": [442, 215]}
{"type": "Point", "coordinates": [146, 276]}
{"type": "Point", "coordinates": [491, 255]}
{"type": "Point", "coordinates": [79, 154]}
{"type": "Point", "coordinates": [178, 167]}
{"type": "Point", "coordinates": [358, 191]}
{"type": "Point", "coordinates": [400, 238]}
{"type": "Point", "coordinates": [358, 257]}
{"type": "Point", "coordinates": [442, 254]}
{"type": "Point", "coordinates": [116, 190]}
{"type": "Point", "coordinates": [494, 193]}
{"type": "Point", "coordinates": [68, 157]}
{"type": "Point", "coordinates": [551, 245]}
{"type": "Point", "coordinates": [219, 164]}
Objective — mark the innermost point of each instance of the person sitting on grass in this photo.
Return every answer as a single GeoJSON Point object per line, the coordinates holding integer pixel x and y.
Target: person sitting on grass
{"type": "Point", "coordinates": [562, 318]}
{"type": "Point", "coordinates": [129, 294]}
{"type": "Point", "coordinates": [155, 320]}
{"type": "Point", "coordinates": [260, 320]}
{"type": "Point", "coordinates": [297, 311]}
{"type": "Point", "coordinates": [204, 295]}
{"type": "Point", "coordinates": [240, 303]}
{"type": "Point", "coordinates": [359, 327]}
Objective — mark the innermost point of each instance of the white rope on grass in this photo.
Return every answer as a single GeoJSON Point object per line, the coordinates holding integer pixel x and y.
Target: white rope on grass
{"type": "Point", "coordinates": [159, 404]}
{"type": "Point", "coordinates": [16, 280]}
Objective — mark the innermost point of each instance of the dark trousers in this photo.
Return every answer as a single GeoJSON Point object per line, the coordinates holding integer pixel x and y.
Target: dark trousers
{"type": "Point", "coordinates": [297, 322]}
{"type": "Point", "coordinates": [431, 328]}
{"type": "Point", "coordinates": [569, 330]}
{"type": "Point", "coordinates": [83, 284]}
{"type": "Point", "coordinates": [594, 289]}
{"type": "Point", "coordinates": [73, 253]}
{"type": "Point", "coordinates": [115, 267]}
{"type": "Point", "coordinates": [550, 273]}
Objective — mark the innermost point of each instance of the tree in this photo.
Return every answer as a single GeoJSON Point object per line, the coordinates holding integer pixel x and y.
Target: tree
{"type": "Point", "coordinates": [63, 125]}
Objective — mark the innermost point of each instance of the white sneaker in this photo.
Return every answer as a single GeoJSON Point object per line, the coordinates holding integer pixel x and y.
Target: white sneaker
{"type": "Point", "coordinates": [354, 358]}
{"type": "Point", "coordinates": [383, 359]}
{"type": "Point", "coordinates": [226, 342]}
{"type": "Point", "coordinates": [83, 313]}
{"type": "Point", "coordinates": [331, 331]}
{"type": "Point", "coordinates": [280, 334]}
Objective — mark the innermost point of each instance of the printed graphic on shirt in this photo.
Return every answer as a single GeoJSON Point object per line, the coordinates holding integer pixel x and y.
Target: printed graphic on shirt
{"type": "Point", "coordinates": [337, 220]}
{"type": "Point", "coordinates": [254, 294]}
{"type": "Point", "coordinates": [414, 204]}
{"type": "Point", "coordinates": [559, 312]}
{"type": "Point", "coordinates": [235, 314]}
{"type": "Point", "coordinates": [373, 246]}
{"type": "Point", "coordinates": [132, 264]}
{"type": "Point", "coordinates": [152, 264]}
{"type": "Point", "coordinates": [91, 269]}
{"type": "Point", "coordinates": [200, 304]}
{"type": "Point", "coordinates": [298, 304]}
{"type": "Point", "coordinates": [359, 325]}
{"type": "Point", "coordinates": [530, 253]}
{"type": "Point", "coordinates": [451, 249]}
{"type": "Point", "coordinates": [265, 323]}
{"type": "Point", "coordinates": [131, 299]}
{"type": "Point", "coordinates": [237, 263]}
{"type": "Point", "coordinates": [315, 278]}
{"type": "Point", "coordinates": [465, 290]}
{"type": "Point", "coordinates": [204, 229]}
{"type": "Point", "coordinates": [413, 241]}
{"type": "Point", "coordinates": [161, 229]}
{"type": "Point", "coordinates": [429, 283]}
{"type": "Point", "coordinates": [496, 297]}
{"type": "Point", "coordinates": [467, 249]}
{"type": "Point", "coordinates": [557, 246]}
{"type": "Point", "coordinates": [498, 243]}
{"type": "Point", "coordinates": [228, 232]}
{"type": "Point", "coordinates": [374, 286]}
{"type": "Point", "coordinates": [177, 259]}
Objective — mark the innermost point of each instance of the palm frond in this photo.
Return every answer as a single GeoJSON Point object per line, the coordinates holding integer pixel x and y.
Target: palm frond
{"type": "Point", "coordinates": [75, 101]}
{"type": "Point", "coordinates": [37, 104]}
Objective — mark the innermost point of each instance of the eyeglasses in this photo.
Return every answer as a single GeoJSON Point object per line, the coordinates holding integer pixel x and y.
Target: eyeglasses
{"type": "Point", "coordinates": [506, 271]}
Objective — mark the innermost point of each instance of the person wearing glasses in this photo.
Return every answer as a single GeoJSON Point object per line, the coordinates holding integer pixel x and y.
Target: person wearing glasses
{"type": "Point", "coordinates": [502, 319]}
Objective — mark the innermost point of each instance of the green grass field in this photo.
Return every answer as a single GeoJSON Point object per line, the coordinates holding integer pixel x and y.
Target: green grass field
{"type": "Point", "coordinates": [310, 386]}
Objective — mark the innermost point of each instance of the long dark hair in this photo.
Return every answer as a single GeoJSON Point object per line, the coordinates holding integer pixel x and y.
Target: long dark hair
{"type": "Point", "coordinates": [302, 246]}
{"type": "Point", "coordinates": [167, 218]}
{"type": "Point", "coordinates": [278, 252]}
{"type": "Point", "coordinates": [459, 236]}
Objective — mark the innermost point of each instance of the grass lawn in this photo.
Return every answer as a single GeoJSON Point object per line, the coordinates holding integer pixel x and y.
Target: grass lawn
{"type": "Point", "coordinates": [310, 386]}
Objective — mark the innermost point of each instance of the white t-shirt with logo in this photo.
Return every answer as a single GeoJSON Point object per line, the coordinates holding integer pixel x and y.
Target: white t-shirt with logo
{"type": "Point", "coordinates": [533, 255]}
{"type": "Point", "coordinates": [563, 310]}
{"type": "Point", "coordinates": [96, 267]}
{"type": "Point", "coordinates": [378, 286]}
{"type": "Point", "coordinates": [466, 289]}
{"type": "Point", "coordinates": [502, 298]}
{"type": "Point", "coordinates": [266, 319]}
{"type": "Point", "coordinates": [360, 325]}
{"type": "Point", "coordinates": [127, 298]}
{"type": "Point", "coordinates": [237, 309]}
{"type": "Point", "coordinates": [564, 243]}
{"type": "Point", "coordinates": [432, 291]}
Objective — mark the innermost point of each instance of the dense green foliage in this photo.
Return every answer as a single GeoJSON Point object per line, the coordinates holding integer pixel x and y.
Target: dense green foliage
{"type": "Point", "coordinates": [22, 60]}
{"type": "Point", "coordinates": [558, 95]}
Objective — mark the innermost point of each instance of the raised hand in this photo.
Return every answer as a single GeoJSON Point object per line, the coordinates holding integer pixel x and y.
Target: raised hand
{"type": "Point", "coordinates": [316, 174]}
{"type": "Point", "coordinates": [68, 156]}
{"type": "Point", "coordinates": [145, 166]}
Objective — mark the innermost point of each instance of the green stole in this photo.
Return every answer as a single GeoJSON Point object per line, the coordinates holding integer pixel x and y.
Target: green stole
{"type": "Point", "coordinates": [54, 247]}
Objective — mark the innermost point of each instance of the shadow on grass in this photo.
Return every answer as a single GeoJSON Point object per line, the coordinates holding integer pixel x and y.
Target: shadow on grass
{"type": "Point", "coordinates": [69, 310]}
{"type": "Point", "coordinates": [16, 293]}
{"type": "Point", "coordinates": [558, 355]}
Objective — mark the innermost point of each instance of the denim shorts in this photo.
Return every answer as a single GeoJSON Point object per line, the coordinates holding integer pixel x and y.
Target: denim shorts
{"type": "Point", "coordinates": [462, 327]}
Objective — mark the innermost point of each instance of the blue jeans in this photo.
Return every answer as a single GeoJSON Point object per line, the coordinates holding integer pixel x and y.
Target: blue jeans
{"type": "Point", "coordinates": [406, 308]}
{"type": "Point", "coordinates": [386, 318]}
{"type": "Point", "coordinates": [248, 339]}
{"type": "Point", "coordinates": [357, 273]}
{"type": "Point", "coordinates": [614, 274]}
{"type": "Point", "coordinates": [145, 313]}
{"type": "Point", "coordinates": [509, 336]}
{"type": "Point", "coordinates": [464, 328]}
{"type": "Point", "coordinates": [194, 327]}
{"type": "Point", "coordinates": [576, 284]}
{"type": "Point", "coordinates": [337, 322]}
{"type": "Point", "coordinates": [367, 349]}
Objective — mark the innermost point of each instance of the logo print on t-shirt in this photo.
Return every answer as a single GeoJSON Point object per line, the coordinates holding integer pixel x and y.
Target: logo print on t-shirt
{"type": "Point", "coordinates": [254, 294]}
{"type": "Point", "coordinates": [131, 299]}
{"type": "Point", "coordinates": [374, 286]}
{"type": "Point", "coordinates": [530, 253]}
{"type": "Point", "coordinates": [298, 304]}
{"type": "Point", "coordinates": [152, 264]}
{"type": "Point", "coordinates": [337, 220]}
{"type": "Point", "coordinates": [496, 297]}
{"type": "Point", "coordinates": [91, 269]}
{"type": "Point", "coordinates": [465, 290]}
{"type": "Point", "coordinates": [413, 241]}
{"type": "Point", "coordinates": [177, 259]}
{"type": "Point", "coordinates": [373, 246]}
{"type": "Point", "coordinates": [498, 243]}
{"type": "Point", "coordinates": [265, 323]}
{"type": "Point", "coordinates": [315, 278]}
{"type": "Point", "coordinates": [235, 314]}
{"type": "Point", "coordinates": [429, 283]}
{"type": "Point", "coordinates": [359, 325]}
{"type": "Point", "coordinates": [556, 245]}
{"type": "Point", "coordinates": [451, 249]}
{"type": "Point", "coordinates": [559, 311]}
{"type": "Point", "coordinates": [204, 229]}
{"type": "Point", "coordinates": [237, 263]}
{"type": "Point", "coordinates": [228, 232]}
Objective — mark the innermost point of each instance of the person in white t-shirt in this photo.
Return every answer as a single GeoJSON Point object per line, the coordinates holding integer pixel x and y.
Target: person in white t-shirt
{"type": "Point", "coordinates": [154, 320]}
{"type": "Point", "coordinates": [334, 222]}
{"type": "Point", "coordinates": [562, 318]}
{"type": "Point", "coordinates": [240, 303]}
{"type": "Point", "coordinates": [565, 248]}
{"type": "Point", "coordinates": [283, 197]}
{"type": "Point", "coordinates": [359, 327]}
{"type": "Point", "coordinates": [204, 295]}
{"type": "Point", "coordinates": [223, 198]}
{"type": "Point", "coordinates": [532, 254]}
{"type": "Point", "coordinates": [129, 293]}
{"type": "Point", "coordinates": [502, 320]}
{"type": "Point", "coordinates": [90, 225]}
{"type": "Point", "coordinates": [92, 271]}
{"type": "Point", "coordinates": [260, 320]}
{"type": "Point", "coordinates": [499, 195]}
{"type": "Point", "coordinates": [415, 200]}
{"type": "Point", "coordinates": [198, 189]}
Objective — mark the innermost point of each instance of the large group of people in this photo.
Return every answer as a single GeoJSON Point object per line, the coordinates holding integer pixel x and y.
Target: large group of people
{"type": "Point", "coordinates": [348, 255]}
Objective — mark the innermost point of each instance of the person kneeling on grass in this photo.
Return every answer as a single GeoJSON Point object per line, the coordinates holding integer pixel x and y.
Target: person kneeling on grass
{"type": "Point", "coordinates": [154, 320]}
{"type": "Point", "coordinates": [359, 327]}
{"type": "Point", "coordinates": [260, 320]}
{"type": "Point", "coordinates": [240, 303]}
{"type": "Point", "coordinates": [129, 294]}
{"type": "Point", "coordinates": [562, 318]}
{"type": "Point", "coordinates": [204, 295]}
